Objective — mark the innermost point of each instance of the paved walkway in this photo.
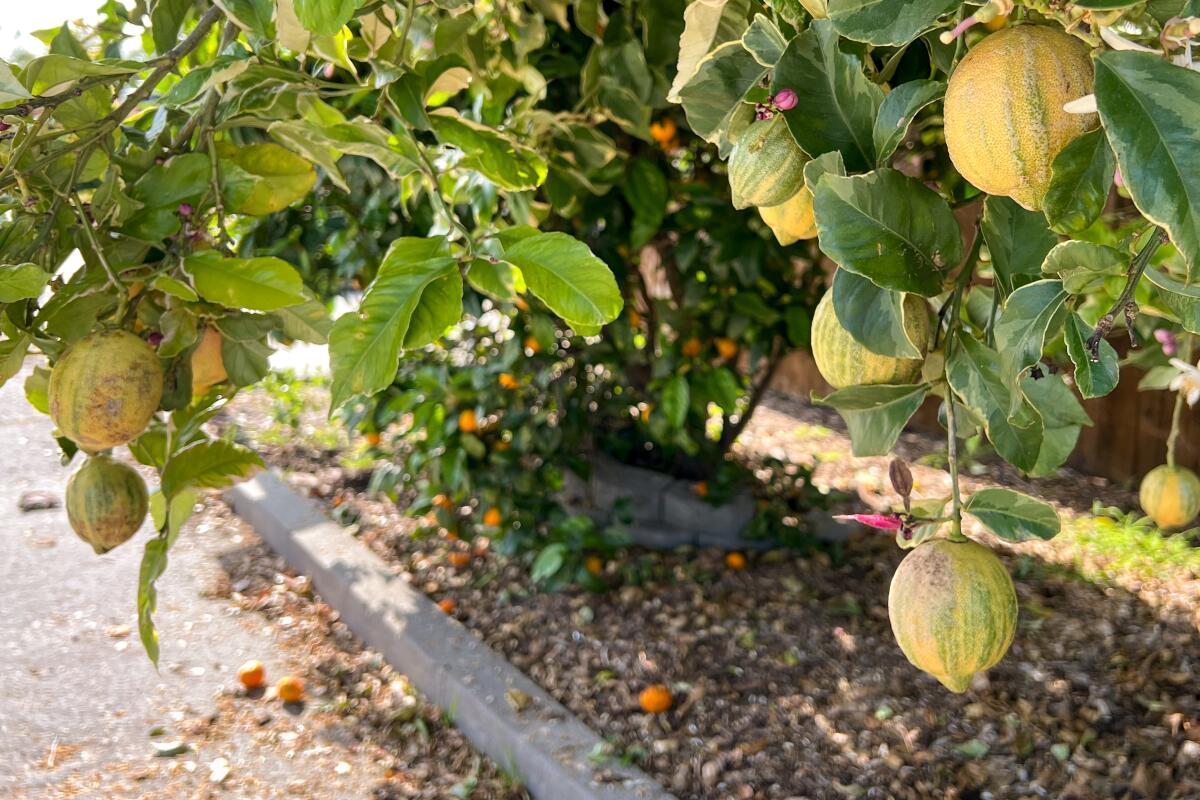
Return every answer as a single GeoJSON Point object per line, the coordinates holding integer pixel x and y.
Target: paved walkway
{"type": "Point", "coordinates": [78, 697]}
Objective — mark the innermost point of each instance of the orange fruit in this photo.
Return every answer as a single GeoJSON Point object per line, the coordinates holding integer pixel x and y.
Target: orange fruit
{"type": "Point", "coordinates": [452, 536]}
{"type": "Point", "coordinates": [447, 605]}
{"type": "Point", "coordinates": [645, 412]}
{"type": "Point", "coordinates": [727, 348]}
{"type": "Point", "coordinates": [594, 565]}
{"type": "Point", "coordinates": [531, 344]}
{"type": "Point", "coordinates": [467, 421]}
{"type": "Point", "coordinates": [521, 304]}
{"type": "Point", "coordinates": [655, 699]}
{"type": "Point", "coordinates": [373, 438]}
{"type": "Point", "coordinates": [502, 445]}
{"type": "Point", "coordinates": [635, 319]}
{"type": "Point", "coordinates": [700, 488]}
{"type": "Point", "coordinates": [663, 130]}
{"type": "Point", "coordinates": [692, 347]}
{"type": "Point", "coordinates": [290, 689]}
{"type": "Point", "coordinates": [459, 560]}
{"type": "Point", "coordinates": [735, 561]}
{"type": "Point", "coordinates": [492, 517]}
{"type": "Point", "coordinates": [507, 381]}
{"type": "Point", "coordinates": [252, 675]}
{"type": "Point", "coordinates": [441, 501]}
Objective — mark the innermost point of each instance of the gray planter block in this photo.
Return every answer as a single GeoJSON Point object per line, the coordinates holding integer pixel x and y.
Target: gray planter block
{"type": "Point", "coordinates": [827, 529]}
{"type": "Point", "coordinates": [544, 746]}
{"type": "Point", "coordinates": [661, 537]}
{"type": "Point", "coordinates": [714, 524]}
{"type": "Point", "coordinates": [613, 481]}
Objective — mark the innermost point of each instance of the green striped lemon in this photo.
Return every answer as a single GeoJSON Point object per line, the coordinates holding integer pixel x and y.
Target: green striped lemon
{"type": "Point", "coordinates": [792, 220]}
{"type": "Point", "coordinates": [953, 610]}
{"type": "Point", "coordinates": [1004, 113]}
{"type": "Point", "coordinates": [106, 502]}
{"type": "Point", "coordinates": [1170, 496]}
{"type": "Point", "coordinates": [766, 166]}
{"type": "Point", "coordinates": [843, 361]}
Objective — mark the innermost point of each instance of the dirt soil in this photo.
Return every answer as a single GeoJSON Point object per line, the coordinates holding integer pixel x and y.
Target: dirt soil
{"type": "Point", "coordinates": [786, 680]}
{"type": "Point", "coordinates": [361, 732]}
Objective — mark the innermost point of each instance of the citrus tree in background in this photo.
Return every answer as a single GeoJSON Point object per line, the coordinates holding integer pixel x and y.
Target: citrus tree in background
{"type": "Point", "coordinates": [961, 179]}
{"type": "Point", "coordinates": [955, 160]}
{"type": "Point", "coordinates": [148, 167]}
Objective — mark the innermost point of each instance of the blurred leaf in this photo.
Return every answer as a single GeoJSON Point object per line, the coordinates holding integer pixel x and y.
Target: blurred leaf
{"type": "Point", "coordinates": [875, 415]}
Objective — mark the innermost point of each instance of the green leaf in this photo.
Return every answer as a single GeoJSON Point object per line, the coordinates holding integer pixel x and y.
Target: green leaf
{"type": "Point", "coordinates": [712, 99]}
{"type": "Point", "coordinates": [325, 17]}
{"type": "Point", "coordinates": [548, 562]}
{"type": "Point", "coordinates": [837, 102]}
{"type": "Point", "coordinates": [55, 71]}
{"type": "Point", "coordinates": [208, 464]}
{"type": "Point", "coordinates": [873, 316]}
{"type": "Point", "coordinates": [973, 371]}
{"type": "Point", "coordinates": [180, 330]}
{"type": "Point", "coordinates": [875, 415]}
{"type": "Point", "coordinates": [1030, 315]}
{"type": "Point", "coordinates": [37, 389]}
{"type": "Point", "coordinates": [12, 356]}
{"type": "Point", "coordinates": [888, 228]}
{"type": "Point", "coordinates": [1018, 241]}
{"type": "Point", "coordinates": [166, 18]}
{"type": "Point", "coordinates": [1082, 175]}
{"type": "Point", "coordinates": [825, 164]}
{"type": "Point", "coordinates": [11, 88]}
{"type": "Point", "coordinates": [415, 296]}
{"type": "Point", "coordinates": [246, 363]}
{"type": "Point", "coordinates": [307, 322]}
{"type": "Point", "coordinates": [706, 24]}
{"type": "Point", "coordinates": [1151, 112]}
{"type": "Point", "coordinates": [564, 274]}
{"type": "Point", "coordinates": [21, 282]}
{"type": "Point", "coordinates": [509, 165]}
{"type": "Point", "coordinates": [324, 143]}
{"type": "Point", "coordinates": [1094, 378]}
{"type": "Point", "coordinates": [183, 179]}
{"type": "Point", "coordinates": [887, 22]}
{"type": "Point", "coordinates": [675, 399]}
{"type": "Point", "coordinates": [175, 288]}
{"type": "Point", "coordinates": [255, 16]}
{"type": "Point", "coordinates": [1182, 299]}
{"type": "Point", "coordinates": [897, 112]}
{"type": "Point", "coordinates": [258, 284]}
{"type": "Point", "coordinates": [1013, 516]}
{"type": "Point", "coordinates": [169, 520]}
{"type": "Point", "coordinates": [496, 279]}
{"type": "Point", "coordinates": [646, 192]}
{"type": "Point", "coordinates": [764, 41]}
{"type": "Point", "coordinates": [1084, 266]}
{"type": "Point", "coordinates": [267, 178]}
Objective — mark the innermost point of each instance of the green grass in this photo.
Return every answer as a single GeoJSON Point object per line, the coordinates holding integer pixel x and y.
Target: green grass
{"type": "Point", "coordinates": [1111, 544]}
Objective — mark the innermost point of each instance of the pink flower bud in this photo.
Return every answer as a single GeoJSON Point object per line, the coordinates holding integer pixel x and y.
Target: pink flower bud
{"type": "Point", "coordinates": [4, 126]}
{"type": "Point", "coordinates": [786, 100]}
{"type": "Point", "coordinates": [1167, 339]}
{"type": "Point", "coordinates": [185, 209]}
{"type": "Point", "coordinates": [884, 522]}
{"type": "Point", "coordinates": [154, 338]}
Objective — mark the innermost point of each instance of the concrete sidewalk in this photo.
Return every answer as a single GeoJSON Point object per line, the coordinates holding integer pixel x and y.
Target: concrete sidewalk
{"type": "Point", "coordinates": [78, 697]}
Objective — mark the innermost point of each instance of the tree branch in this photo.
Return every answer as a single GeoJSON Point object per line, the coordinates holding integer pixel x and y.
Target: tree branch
{"type": "Point", "coordinates": [1125, 303]}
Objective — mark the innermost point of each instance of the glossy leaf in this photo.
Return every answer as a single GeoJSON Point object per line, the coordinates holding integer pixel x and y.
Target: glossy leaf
{"type": "Point", "coordinates": [887, 22]}
{"type": "Point", "coordinates": [415, 296]}
{"type": "Point", "coordinates": [1013, 516]}
{"type": "Point", "coordinates": [209, 464]}
{"type": "Point", "coordinates": [875, 415]}
{"type": "Point", "coordinates": [1094, 378]}
{"type": "Point", "coordinates": [259, 284]}
{"type": "Point", "coordinates": [712, 99]}
{"type": "Point", "coordinates": [21, 282]}
{"type": "Point", "coordinates": [1017, 239]}
{"type": "Point", "coordinates": [564, 274]}
{"type": "Point", "coordinates": [837, 102]}
{"type": "Point", "coordinates": [764, 41]}
{"type": "Point", "coordinates": [324, 17]}
{"type": "Point", "coordinates": [507, 164]}
{"type": "Point", "coordinates": [10, 88]}
{"type": "Point", "coordinates": [1031, 314]}
{"type": "Point", "coordinates": [888, 228]}
{"type": "Point", "coordinates": [267, 178]}
{"type": "Point", "coordinates": [1082, 177]}
{"type": "Point", "coordinates": [873, 316]}
{"type": "Point", "coordinates": [707, 24]}
{"type": "Point", "coordinates": [1151, 112]}
{"type": "Point", "coordinates": [897, 112]}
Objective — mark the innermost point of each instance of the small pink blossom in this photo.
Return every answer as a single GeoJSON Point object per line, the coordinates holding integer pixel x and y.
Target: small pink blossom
{"type": "Point", "coordinates": [785, 100]}
{"type": "Point", "coordinates": [1118, 181]}
{"type": "Point", "coordinates": [185, 209]}
{"type": "Point", "coordinates": [1167, 339]}
{"type": "Point", "coordinates": [4, 126]}
{"type": "Point", "coordinates": [884, 522]}
{"type": "Point", "coordinates": [154, 339]}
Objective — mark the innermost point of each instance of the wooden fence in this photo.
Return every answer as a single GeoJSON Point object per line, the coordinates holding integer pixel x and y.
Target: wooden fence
{"type": "Point", "coordinates": [1127, 441]}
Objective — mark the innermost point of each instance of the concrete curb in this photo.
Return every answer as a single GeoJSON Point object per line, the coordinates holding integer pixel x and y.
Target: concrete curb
{"type": "Point", "coordinates": [543, 745]}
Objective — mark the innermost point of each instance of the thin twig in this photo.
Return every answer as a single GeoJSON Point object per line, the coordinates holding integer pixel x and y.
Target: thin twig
{"type": "Point", "coordinates": [1125, 304]}
{"type": "Point", "coordinates": [1177, 414]}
